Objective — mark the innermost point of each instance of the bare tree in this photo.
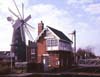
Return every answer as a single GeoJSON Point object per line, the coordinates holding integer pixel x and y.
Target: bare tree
{"type": "Point", "coordinates": [86, 53]}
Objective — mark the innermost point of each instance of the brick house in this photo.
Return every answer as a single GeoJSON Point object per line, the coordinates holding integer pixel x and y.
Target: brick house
{"type": "Point", "coordinates": [31, 51]}
{"type": "Point", "coordinates": [54, 48]}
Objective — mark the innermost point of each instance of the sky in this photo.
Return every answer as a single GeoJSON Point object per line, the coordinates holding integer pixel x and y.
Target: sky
{"type": "Point", "coordinates": [64, 15]}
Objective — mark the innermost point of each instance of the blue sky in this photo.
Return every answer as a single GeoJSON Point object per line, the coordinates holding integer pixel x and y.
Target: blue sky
{"type": "Point", "coordinates": [64, 15]}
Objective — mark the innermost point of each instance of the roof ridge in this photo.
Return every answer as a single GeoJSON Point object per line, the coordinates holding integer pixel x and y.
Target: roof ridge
{"type": "Point", "coordinates": [55, 29]}
{"type": "Point", "coordinates": [60, 34]}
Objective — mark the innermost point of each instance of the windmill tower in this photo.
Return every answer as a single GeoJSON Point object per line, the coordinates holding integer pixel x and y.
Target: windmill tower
{"type": "Point", "coordinates": [20, 26]}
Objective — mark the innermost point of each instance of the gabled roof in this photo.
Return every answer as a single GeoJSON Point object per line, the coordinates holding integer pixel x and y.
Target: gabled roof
{"type": "Point", "coordinates": [60, 34]}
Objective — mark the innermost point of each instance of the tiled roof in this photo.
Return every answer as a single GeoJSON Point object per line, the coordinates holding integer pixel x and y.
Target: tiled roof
{"type": "Point", "coordinates": [60, 34]}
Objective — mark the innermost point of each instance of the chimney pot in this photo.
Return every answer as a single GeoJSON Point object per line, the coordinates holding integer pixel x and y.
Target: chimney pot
{"type": "Point", "coordinates": [40, 27]}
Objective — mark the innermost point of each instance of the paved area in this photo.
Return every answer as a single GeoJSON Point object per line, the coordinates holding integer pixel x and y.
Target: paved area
{"type": "Point", "coordinates": [17, 75]}
{"type": "Point", "coordinates": [52, 74]}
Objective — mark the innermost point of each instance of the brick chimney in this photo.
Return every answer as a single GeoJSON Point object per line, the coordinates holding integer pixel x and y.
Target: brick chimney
{"type": "Point", "coordinates": [40, 27]}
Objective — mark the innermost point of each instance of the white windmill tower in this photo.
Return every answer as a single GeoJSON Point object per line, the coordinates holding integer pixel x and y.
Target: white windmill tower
{"type": "Point", "coordinates": [20, 27]}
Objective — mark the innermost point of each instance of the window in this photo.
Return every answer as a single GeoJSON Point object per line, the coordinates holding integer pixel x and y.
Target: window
{"type": "Point", "coordinates": [58, 62]}
{"type": "Point", "coordinates": [33, 51]}
{"type": "Point", "coordinates": [64, 46]}
{"type": "Point", "coordinates": [52, 42]}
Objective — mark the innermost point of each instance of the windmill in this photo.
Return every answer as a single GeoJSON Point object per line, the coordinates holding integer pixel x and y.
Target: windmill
{"type": "Point", "coordinates": [20, 27]}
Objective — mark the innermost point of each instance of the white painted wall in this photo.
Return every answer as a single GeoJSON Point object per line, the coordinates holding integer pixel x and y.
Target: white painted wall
{"type": "Point", "coordinates": [61, 45]}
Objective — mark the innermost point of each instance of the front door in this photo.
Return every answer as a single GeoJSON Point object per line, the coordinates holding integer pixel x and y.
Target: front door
{"type": "Point", "coordinates": [45, 61]}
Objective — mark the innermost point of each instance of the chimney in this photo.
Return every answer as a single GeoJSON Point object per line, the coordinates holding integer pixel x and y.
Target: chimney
{"type": "Point", "coordinates": [40, 27]}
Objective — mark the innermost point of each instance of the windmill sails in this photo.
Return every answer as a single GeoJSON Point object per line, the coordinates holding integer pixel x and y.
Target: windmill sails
{"type": "Point", "coordinates": [18, 39]}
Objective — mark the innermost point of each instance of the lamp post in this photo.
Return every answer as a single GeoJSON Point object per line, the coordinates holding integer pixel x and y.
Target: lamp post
{"type": "Point", "coordinates": [11, 60]}
{"type": "Point", "coordinates": [10, 19]}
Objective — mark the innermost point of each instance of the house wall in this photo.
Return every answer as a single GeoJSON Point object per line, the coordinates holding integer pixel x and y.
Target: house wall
{"type": "Point", "coordinates": [54, 43]}
{"type": "Point", "coordinates": [41, 49]}
{"type": "Point", "coordinates": [57, 59]}
{"type": "Point", "coordinates": [64, 46]}
{"type": "Point", "coordinates": [54, 60]}
{"type": "Point", "coordinates": [65, 59]}
{"type": "Point", "coordinates": [28, 54]}
{"type": "Point", "coordinates": [58, 56]}
{"type": "Point", "coordinates": [60, 59]}
{"type": "Point", "coordinates": [31, 52]}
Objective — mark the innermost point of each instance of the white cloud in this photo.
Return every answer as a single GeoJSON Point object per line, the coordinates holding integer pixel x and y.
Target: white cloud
{"type": "Point", "coordinates": [5, 34]}
{"type": "Point", "coordinates": [93, 8]}
{"type": "Point", "coordinates": [97, 21]}
{"type": "Point", "coordinates": [4, 5]}
{"type": "Point", "coordinates": [5, 26]}
{"type": "Point", "coordinates": [81, 26]}
{"type": "Point", "coordinates": [51, 16]}
{"type": "Point", "coordinates": [61, 20]}
{"type": "Point", "coordinates": [79, 1]}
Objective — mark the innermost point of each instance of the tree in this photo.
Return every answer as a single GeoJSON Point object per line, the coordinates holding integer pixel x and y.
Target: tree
{"type": "Point", "coordinates": [86, 53]}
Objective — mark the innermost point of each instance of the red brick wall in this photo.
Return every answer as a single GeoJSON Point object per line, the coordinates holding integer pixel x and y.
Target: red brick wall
{"type": "Point", "coordinates": [64, 58]}
{"type": "Point", "coordinates": [53, 60]}
{"type": "Point", "coordinates": [41, 48]}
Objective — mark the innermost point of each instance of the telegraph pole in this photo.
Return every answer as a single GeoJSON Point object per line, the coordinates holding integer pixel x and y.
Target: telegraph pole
{"type": "Point", "coordinates": [74, 45]}
{"type": "Point", "coordinates": [74, 34]}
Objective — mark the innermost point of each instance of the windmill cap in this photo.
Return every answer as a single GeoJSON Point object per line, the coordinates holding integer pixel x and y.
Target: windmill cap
{"type": "Point", "coordinates": [9, 18]}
